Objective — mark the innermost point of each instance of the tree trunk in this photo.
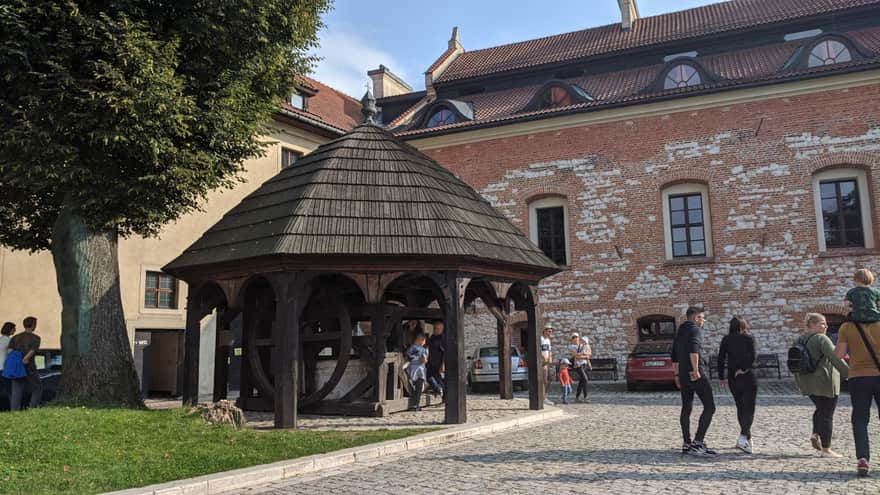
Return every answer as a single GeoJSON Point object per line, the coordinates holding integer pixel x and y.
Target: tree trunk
{"type": "Point", "coordinates": [98, 363]}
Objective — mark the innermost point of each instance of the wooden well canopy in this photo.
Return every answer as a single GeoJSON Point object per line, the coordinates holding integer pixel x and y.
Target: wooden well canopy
{"type": "Point", "coordinates": [327, 266]}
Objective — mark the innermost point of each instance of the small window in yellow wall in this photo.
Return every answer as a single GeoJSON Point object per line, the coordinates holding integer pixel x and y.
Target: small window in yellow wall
{"type": "Point", "coordinates": [289, 157]}
{"type": "Point", "coordinates": [160, 291]}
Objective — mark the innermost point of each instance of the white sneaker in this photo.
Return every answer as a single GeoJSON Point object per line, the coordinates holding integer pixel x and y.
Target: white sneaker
{"type": "Point", "coordinates": [548, 402]}
{"type": "Point", "coordinates": [744, 444]}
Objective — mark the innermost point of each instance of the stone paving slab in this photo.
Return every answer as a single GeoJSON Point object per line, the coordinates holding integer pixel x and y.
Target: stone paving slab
{"type": "Point", "coordinates": [237, 480]}
{"type": "Point", "coordinates": [619, 443]}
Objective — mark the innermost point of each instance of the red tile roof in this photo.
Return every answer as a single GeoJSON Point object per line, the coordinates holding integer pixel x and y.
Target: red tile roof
{"type": "Point", "coordinates": [328, 106]}
{"type": "Point", "coordinates": [630, 86]}
{"type": "Point", "coordinates": [714, 18]}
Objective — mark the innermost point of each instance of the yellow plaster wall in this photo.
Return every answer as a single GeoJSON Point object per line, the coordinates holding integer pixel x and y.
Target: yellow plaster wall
{"type": "Point", "coordinates": [27, 282]}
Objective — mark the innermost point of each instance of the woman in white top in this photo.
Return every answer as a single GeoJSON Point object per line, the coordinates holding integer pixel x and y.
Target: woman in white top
{"type": "Point", "coordinates": [5, 336]}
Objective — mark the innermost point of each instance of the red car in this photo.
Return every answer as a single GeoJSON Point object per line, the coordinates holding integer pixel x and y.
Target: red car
{"type": "Point", "coordinates": [650, 362]}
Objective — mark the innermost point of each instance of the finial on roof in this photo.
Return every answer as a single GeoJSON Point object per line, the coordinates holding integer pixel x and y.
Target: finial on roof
{"type": "Point", "coordinates": [454, 41]}
{"type": "Point", "coordinates": [368, 108]}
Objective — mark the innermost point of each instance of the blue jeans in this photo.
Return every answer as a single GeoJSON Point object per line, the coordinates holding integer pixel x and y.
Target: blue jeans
{"type": "Point", "coordinates": [566, 391]}
{"type": "Point", "coordinates": [863, 390]}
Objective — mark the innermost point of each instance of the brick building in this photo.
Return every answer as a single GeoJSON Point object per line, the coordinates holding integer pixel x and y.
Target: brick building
{"type": "Point", "coordinates": [727, 155]}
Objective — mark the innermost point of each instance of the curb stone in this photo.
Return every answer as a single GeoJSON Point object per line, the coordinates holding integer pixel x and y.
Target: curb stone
{"type": "Point", "coordinates": [223, 482]}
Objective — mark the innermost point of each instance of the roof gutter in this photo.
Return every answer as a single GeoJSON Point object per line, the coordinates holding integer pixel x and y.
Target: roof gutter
{"type": "Point", "coordinates": [312, 122]}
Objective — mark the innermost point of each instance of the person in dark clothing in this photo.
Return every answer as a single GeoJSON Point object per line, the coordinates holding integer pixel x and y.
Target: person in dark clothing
{"type": "Point", "coordinates": [436, 359]}
{"type": "Point", "coordinates": [691, 376]}
{"type": "Point", "coordinates": [736, 356]}
{"type": "Point", "coordinates": [27, 344]}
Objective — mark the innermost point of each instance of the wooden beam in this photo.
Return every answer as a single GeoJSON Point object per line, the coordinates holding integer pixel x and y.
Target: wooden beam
{"type": "Point", "coordinates": [505, 371]}
{"type": "Point", "coordinates": [537, 374]}
{"type": "Point", "coordinates": [456, 368]}
{"type": "Point", "coordinates": [191, 349]}
{"type": "Point", "coordinates": [289, 301]}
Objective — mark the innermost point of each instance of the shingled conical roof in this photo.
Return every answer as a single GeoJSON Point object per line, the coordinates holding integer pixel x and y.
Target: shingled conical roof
{"type": "Point", "coordinates": [365, 194]}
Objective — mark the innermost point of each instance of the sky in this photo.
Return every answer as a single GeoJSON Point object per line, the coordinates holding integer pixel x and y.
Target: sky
{"type": "Point", "coordinates": [408, 35]}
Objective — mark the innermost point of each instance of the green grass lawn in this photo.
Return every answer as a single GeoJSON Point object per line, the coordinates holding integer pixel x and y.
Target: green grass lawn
{"type": "Point", "coordinates": [81, 451]}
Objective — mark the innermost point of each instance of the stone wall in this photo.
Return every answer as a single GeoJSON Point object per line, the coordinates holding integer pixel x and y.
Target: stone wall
{"type": "Point", "coordinates": [756, 158]}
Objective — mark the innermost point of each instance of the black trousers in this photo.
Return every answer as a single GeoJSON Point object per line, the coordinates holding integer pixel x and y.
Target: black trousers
{"type": "Point", "coordinates": [823, 418]}
{"type": "Point", "coordinates": [415, 399]}
{"type": "Point", "coordinates": [703, 389]}
{"type": "Point", "coordinates": [32, 380]}
{"type": "Point", "coordinates": [582, 383]}
{"type": "Point", "coordinates": [745, 391]}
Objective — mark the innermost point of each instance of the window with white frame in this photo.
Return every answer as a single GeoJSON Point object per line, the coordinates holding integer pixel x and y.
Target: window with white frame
{"type": "Point", "coordinates": [548, 228]}
{"type": "Point", "coordinates": [843, 214]}
{"type": "Point", "coordinates": [687, 228]}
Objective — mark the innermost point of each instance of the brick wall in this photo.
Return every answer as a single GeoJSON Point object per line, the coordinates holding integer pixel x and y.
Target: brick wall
{"type": "Point", "coordinates": [758, 160]}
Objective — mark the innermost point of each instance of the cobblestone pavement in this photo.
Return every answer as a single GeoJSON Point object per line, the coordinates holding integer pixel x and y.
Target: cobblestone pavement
{"type": "Point", "coordinates": [619, 443]}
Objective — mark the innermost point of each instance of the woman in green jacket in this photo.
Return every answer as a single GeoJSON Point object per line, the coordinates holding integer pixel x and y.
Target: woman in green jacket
{"type": "Point", "coordinates": [823, 385]}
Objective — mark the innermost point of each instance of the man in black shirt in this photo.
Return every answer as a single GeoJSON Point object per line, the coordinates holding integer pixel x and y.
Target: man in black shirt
{"type": "Point", "coordinates": [692, 377]}
{"type": "Point", "coordinates": [436, 359]}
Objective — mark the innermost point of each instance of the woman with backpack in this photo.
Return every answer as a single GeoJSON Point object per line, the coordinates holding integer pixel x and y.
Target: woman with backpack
{"type": "Point", "coordinates": [818, 377]}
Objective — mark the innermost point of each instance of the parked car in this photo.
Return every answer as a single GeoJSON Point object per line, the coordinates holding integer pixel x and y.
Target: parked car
{"type": "Point", "coordinates": [483, 368]}
{"type": "Point", "coordinates": [48, 363]}
{"type": "Point", "coordinates": [649, 362]}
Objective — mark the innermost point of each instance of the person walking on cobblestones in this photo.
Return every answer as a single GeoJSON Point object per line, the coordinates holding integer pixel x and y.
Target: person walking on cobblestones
{"type": "Point", "coordinates": [547, 359]}
{"type": "Point", "coordinates": [691, 376]}
{"type": "Point", "coordinates": [736, 356]}
{"type": "Point", "coordinates": [580, 356]}
{"type": "Point", "coordinates": [862, 342]}
{"type": "Point", "coordinates": [823, 385]}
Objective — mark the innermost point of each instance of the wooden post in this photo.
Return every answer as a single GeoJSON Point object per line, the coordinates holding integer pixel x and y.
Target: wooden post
{"type": "Point", "coordinates": [456, 369]}
{"type": "Point", "coordinates": [379, 325]}
{"type": "Point", "coordinates": [505, 371]}
{"type": "Point", "coordinates": [191, 348]}
{"type": "Point", "coordinates": [537, 375]}
{"type": "Point", "coordinates": [221, 357]}
{"type": "Point", "coordinates": [289, 300]}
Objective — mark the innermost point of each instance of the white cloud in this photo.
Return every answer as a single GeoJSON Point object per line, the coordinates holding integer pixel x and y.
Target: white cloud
{"type": "Point", "coordinates": [346, 59]}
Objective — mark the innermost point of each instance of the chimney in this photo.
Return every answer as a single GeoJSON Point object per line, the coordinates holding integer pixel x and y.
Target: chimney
{"type": "Point", "coordinates": [629, 12]}
{"type": "Point", "coordinates": [386, 83]}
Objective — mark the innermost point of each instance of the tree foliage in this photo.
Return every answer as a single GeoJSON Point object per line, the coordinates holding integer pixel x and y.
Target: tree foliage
{"type": "Point", "coordinates": [129, 111]}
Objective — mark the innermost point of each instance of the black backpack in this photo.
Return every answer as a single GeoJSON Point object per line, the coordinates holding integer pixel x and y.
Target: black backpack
{"type": "Point", "coordinates": [799, 358]}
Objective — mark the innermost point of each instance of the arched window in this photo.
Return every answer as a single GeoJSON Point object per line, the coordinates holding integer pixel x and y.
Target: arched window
{"type": "Point", "coordinates": [444, 116]}
{"type": "Point", "coordinates": [686, 219]}
{"type": "Point", "coordinates": [548, 228]}
{"type": "Point", "coordinates": [656, 327]}
{"type": "Point", "coordinates": [682, 76]}
{"type": "Point", "coordinates": [556, 96]}
{"type": "Point", "coordinates": [843, 209]}
{"type": "Point", "coordinates": [828, 52]}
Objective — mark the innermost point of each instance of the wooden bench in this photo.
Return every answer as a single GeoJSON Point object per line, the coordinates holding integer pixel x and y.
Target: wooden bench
{"type": "Point", "coordinates": [603, 369]}
{"type": "Point", "coordinates": [769, 361]}
{"type": "Point", "coordinates": [762, 362]}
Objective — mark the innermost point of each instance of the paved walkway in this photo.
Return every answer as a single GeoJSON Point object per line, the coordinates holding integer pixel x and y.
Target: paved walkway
{"type": "Point", "coordinates": [619, 443]}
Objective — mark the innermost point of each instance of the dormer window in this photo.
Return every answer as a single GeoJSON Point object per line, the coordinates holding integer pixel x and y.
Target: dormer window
{"type": "Point", "coordinates": [555, 97]}
{"type": "Point", "coordinates": [682, 76]}
{"type": "Point", "coordinates": [828, 52]}
{"type": "Point", "coordinates": [443, 116]}
{"type": "Point", "coordinates": [298, 101]}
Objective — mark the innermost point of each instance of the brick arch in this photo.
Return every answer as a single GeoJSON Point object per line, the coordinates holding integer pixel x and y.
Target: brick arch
{"type": "Point", "coordinates": [847, 159]}
{"type": "Point", "coordinates": [541, 191]}
{"type": "Point", "coordinates": [685, 176]}
{"type": "Point", "coordinates": [632, 336]}
{"type": "Point", "coordinates": [797, 318]}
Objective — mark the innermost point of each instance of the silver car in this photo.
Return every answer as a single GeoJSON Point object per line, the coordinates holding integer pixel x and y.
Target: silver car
{"type": "Point", "coordinates": [483, 368]}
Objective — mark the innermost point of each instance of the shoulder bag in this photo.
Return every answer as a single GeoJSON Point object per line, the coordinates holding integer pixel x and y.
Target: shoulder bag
{"type": "Point", "coordinates": [867, 345]}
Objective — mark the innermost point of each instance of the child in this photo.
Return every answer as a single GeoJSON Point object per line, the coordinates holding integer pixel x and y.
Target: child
{"type": "Point", "coordinates": [565, 379]}
{"type": "Point", "coordinates": [417, 356]}
{"type": "Point", "coordinates": [862, 299]}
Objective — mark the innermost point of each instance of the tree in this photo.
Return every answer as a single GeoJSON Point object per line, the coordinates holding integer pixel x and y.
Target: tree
{"type": "Point", "coordinates": [118, 117]}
